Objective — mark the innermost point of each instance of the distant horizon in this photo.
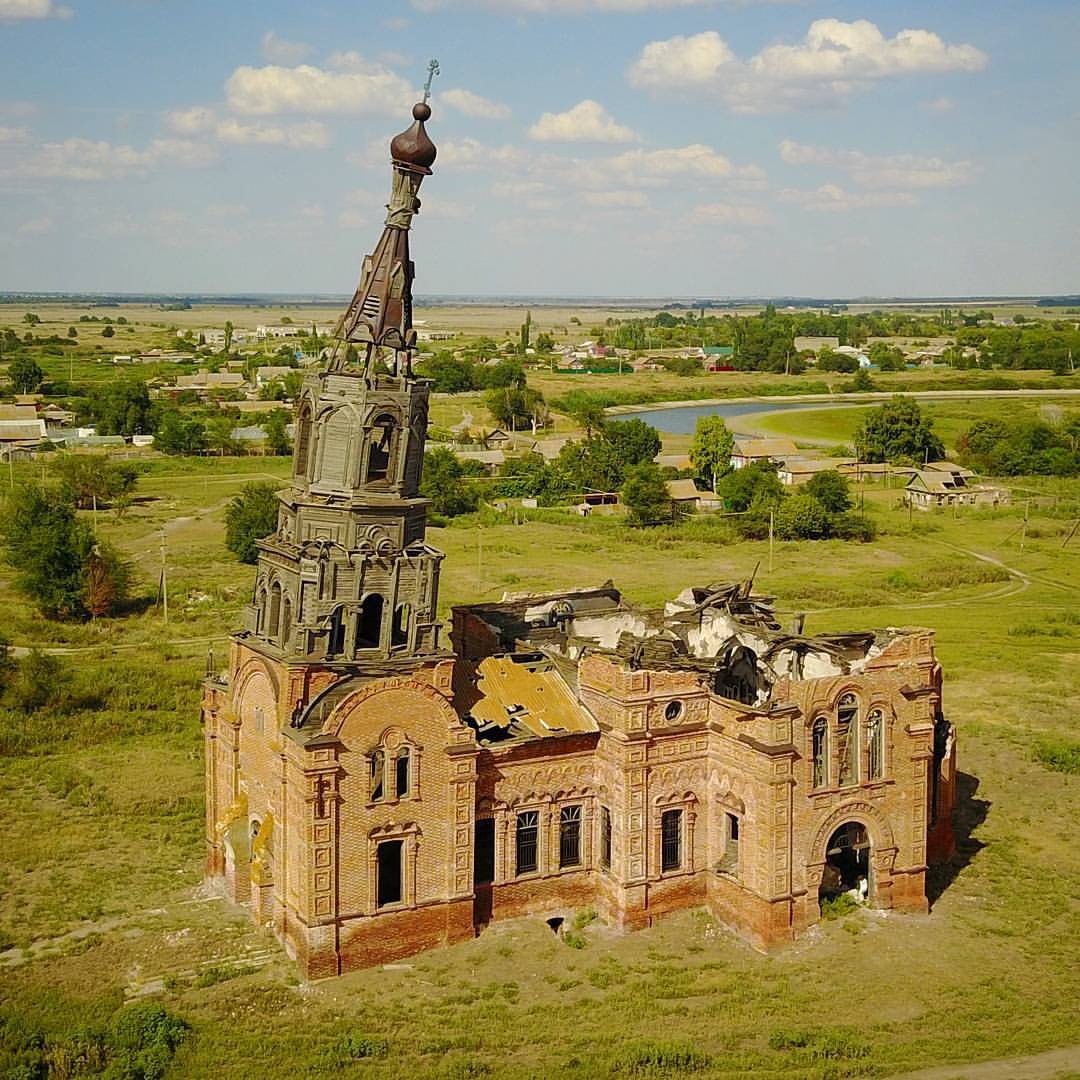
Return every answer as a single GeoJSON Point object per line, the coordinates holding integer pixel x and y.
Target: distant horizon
{"type": "Point", "coordinates": [8, 296]}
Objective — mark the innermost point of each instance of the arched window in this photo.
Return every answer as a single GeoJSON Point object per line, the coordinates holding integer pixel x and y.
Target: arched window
{"type": "Point", "coordinates": [303, 441]}
{"type": "Point", "coordinates": [260, 612]}
{"type": "Point", "coordinates": [380, 446]}
{"type": "Point", "coordinates": [286, 619]}
{"type": "Point", "coordinates": [847, 740]}
{"type": "Point", "coordinates": [402, 779]}
{"type": "Point", "coordinates": [378, 780]}
{"type": "Point", "coordinates": [274, 623]}
{"type": "Point", "coordinates": [335, 642]}
{"type": "Point", "coordinates": [819, 752]}
{"type": "Point", "coordinates": [402, 618]}
{"type": "Point", "coordinates": [369, 622]}
{"type": "Point", "coordinates": [875, 745]}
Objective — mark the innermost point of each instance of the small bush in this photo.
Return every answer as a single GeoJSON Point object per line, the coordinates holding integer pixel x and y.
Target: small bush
{"type": "Point", "coordinates": [584, 917]}
{"type": "Point", "coordinates": [1060, 755]}
{"type": "Point", "coordinates": [836, 907]}
{"type": "Point", "coordinates": [220, 973]}
{"type": "Point", "coordinates": [575, 941]}
{"type": "Point", "coordinates": [355, 1046]}
{"type": "Point", "coordinates": [654, 1057]}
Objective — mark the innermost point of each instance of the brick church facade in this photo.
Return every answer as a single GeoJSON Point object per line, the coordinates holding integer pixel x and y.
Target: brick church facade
{"type": "Point", "coordinates": [374, 788]}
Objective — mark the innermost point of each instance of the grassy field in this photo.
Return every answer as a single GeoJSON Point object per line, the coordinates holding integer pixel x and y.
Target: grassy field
{"type": "Point", "coordinates": [101, 867]}
{"type": "Point", "coordinates": [951, 419]}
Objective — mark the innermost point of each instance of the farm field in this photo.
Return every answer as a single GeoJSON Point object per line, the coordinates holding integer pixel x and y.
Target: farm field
{"type": "Point", "coordinates": [111, 905]}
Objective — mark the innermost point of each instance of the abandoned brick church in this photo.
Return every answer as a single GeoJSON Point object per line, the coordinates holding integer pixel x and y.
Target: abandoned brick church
{"type": "Point", "coordinates": [374, 789]}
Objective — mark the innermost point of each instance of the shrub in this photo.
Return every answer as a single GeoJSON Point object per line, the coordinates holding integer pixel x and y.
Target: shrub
{"type": "Point", "coordinates": [802, 517]}
{"type": "Point", "coordinates": [39, 681]}
{"type": "Point", "coordinates": [836, 907]}
{"type": "Point", "coordinates": [655, 1057]}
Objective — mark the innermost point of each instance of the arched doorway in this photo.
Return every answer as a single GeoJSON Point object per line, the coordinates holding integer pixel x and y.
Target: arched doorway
{"type": "Point", "coordinates": [847, 863]}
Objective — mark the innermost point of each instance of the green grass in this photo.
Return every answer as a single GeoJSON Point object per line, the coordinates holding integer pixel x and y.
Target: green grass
{"type": "Point", "coordinates": [103, 831]}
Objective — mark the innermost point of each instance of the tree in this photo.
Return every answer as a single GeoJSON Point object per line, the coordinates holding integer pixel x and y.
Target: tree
{"type": "Point", "coordinates": [124, 408]}
{"type": "Point", "coordinates": [515, 406]}
{"type": "Point", "coordinates": [756, 483]}
{"type": "Point", "coordinates": [591, 465]}
{"type": "Point", "coordinates": [108, 576]}
{"type": "Point", "coordinates": [587, 414]}
{"type": "Point", "coordinates": [862, 382]}
{"type": "Point", "coordinates": [72, 332]}
{"type": "Point", "coordinates": [526, 327]}
{"type": "Point", "coordinates": [219, 435]}
{"type": "Point", "coordinates": [645, 494]}
{"type": "Point", "coordinates": [633, 440]}
{"type": "Point", "coordinates": [250, 516]}
{"type": "Point", "coordinates": [897, 429]}
{"type": "Point", "coordinates": [831, 490]}
{"type": "Point", "coordinates": [108, 332]}
{"type": "Point", "coordinates": [31, 319]}
{"type": "Point", "coordinates": [545, 343]}
{"type": "Point", "coordinates": [802, 517]}
{"type": "Point", "coordinates": [25, 375]}
{"type": "Point", "coordinates": [48, 547]}
{"type": "Point", "coordinates": [710, 450]}
{"type": "Point", "coordinates": [86, 478]}
{"type": "Point", "coordinates": [228, 337]}
{"type": "Point", "coordinates": [277, 437]}
{"type": "Point", "coordinates": [444, 484]}
{"type": "Point", "coordinates": [179, 434]}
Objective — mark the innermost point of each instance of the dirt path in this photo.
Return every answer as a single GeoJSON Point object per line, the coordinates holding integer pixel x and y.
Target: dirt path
{"type": "Point", "coordinates": [1047, 1066]}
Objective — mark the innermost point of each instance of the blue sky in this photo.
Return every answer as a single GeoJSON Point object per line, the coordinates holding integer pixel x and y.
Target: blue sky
{"type": "Point", "coordinates": [586, 147]}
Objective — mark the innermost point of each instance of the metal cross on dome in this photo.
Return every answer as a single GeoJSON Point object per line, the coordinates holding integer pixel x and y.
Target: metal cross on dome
{"type": "Point", "coordinates": [432, 71]}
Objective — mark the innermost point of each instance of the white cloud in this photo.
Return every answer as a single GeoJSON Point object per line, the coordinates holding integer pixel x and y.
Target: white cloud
{"type": "Point", "coordinates": [891, 171]}
{"type": "Point", "coordinates": [13, 135]}
{"type": "Point", "coordinates": [830, 197]}
{"type": "Point", "coordinates": [32, 9]}
{"type": "Point", "coordinates": [468, 155]}
{"type": "Point", "coordinates": [587, 121]}
{"type": "Point", "coordinates": [191, 121]}
{"type": "Point", "coordinates": [726, 214]}
{"type": "Point", "coordinates": [281, 51]}
{"type": "Point", "coordinates": [693, 162]}
{"type": "Point", "coordinates": [832, 62]}
{"type": "Point", "coordinates": [309, 134]}
{"type": "Point", "coordinates": [361, 209]}
{"type": "Point", "coordinates": [37, 226]}
{"type": "Point", "coordinates": [616, 200]}
{"type": "Point", "coordinates": [480, 108]}
{"type": "Point", "coordinates": [941, 104]}
{"type": "Point", "coordinates": [86, 159]}
{"type": "Point", "coordinates": [306, 89]}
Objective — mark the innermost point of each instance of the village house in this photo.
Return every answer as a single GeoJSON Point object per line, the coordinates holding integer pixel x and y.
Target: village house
{"type": "Point", "coordinates": [21, 430]}
{"type": "Point", "coordinates": [747, 451]}
{"type": "Point", "coordinates": [945, 484]}
{"type": "Point", "coordinates": [374, 788]}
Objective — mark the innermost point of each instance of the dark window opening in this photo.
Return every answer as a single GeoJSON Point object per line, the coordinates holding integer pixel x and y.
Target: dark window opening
{"type": "Point", "coordinates": [335, 644]}
{"type": "Point", "coordinates": [274, 626]}
{"type": "Point", "coordinates": [401, 773]}
{"type": "Point", "coordinates": [388, 873]}
{"type": "Point", "coordinates": [847, 740]}
{"type": "Point", "coordinates": [382, 437]}
{"type": "Point", "coordinates": [303, 442]}
{"type": "Point", "coordinates": [605, 837]}
{"type": "Point", "coordinates": [528, 832]}
{"type": "Point", "coordinates": [941, 743]}
{"type": "Point", "coordinates": [875, 745]}
{"type": "Point", "coordinates": [402, 616]}
{"type": "Point", "coordinates": [670, 840]}
{"type": "Point", "coordinates": [847, 864]}
{"type": "Point", "coordinates": [570, 836]}
{"type": "Point", "coordinates": [673, 711]}
{"type": "Point", "coordinates": [819, 752]}
{"type": "Point", "coordinates": [369, 626]}
{"type": "Point", "coordinates": [484, 851]}
{"type": "Point", "coordinates": [286, 620]}
{"type": "Point", "coordinates": [732, 839]}
{"type": "Point", "coordinates": [378, 765]}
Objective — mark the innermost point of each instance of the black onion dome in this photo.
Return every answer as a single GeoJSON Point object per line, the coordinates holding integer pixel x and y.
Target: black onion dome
{"type": "Point", "coordinates": [413, 148]}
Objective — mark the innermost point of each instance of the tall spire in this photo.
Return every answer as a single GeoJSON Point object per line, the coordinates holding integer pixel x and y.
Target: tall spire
{"type": "Point", "coordinates": [379, 316]}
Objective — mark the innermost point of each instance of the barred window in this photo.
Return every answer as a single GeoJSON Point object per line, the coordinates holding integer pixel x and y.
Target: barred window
{"type": "Point", "coordinates": [570, 836]}
{"type": "Point", "coordinates": [378, 762]}
{"type": "Point", "coordinates": [847, 739]}
{"type": "Point", "coordinates": [528, 829]}
{"type": "Point", "coordinates": [670, 840]}
{"type": "Point", "coordinates": [819, 752]}
{"type": "Point", "coordinates": [875, 745]}
{"type": "Point", "coordinates": [605, 837]}
{"type": "Point", "coordinates": [401, 773]}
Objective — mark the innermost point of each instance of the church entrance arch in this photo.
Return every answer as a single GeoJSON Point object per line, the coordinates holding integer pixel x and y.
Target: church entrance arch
{"type": "Point", "coordinates": [848, 863]}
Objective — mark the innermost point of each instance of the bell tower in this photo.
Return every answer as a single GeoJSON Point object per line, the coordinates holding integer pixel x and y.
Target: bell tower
{"type": "Point", "coordinates": [348, 577]}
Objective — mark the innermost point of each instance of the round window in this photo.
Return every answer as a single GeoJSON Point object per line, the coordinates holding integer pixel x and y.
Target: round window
{"type": "Point", "coordinates": [673, 711]}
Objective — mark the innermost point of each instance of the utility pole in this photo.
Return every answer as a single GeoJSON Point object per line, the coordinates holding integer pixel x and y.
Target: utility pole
{"type": "Point", "coordinates": [164, 579]}
{"type": "Point", "coordinates": [94, 498]}
{"type": "Point", "coordinates": [1023, 534]}
{"type": "Point", "coordinates": [770, 541]}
